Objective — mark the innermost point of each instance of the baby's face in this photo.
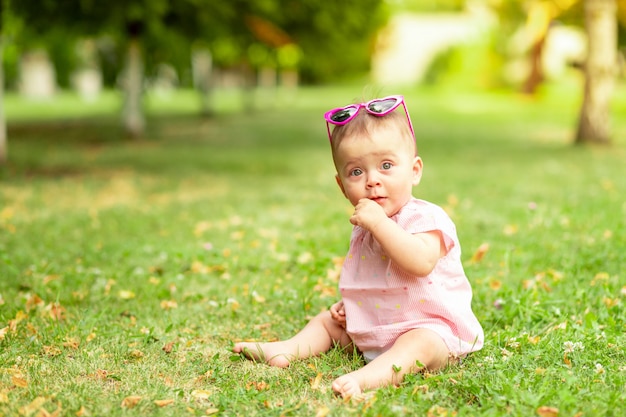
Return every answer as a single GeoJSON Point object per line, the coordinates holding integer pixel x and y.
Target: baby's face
{"type": "Point", "coordinates": [380, 166]}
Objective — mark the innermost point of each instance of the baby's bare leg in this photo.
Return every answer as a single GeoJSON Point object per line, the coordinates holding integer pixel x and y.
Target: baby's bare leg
{"type": "Point", "coordinates": [419, 346]}
{"type": "Point", "coordinates": [318, 336]}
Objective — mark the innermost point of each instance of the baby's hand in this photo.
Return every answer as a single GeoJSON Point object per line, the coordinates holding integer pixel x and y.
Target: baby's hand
{"type": "Point", "coordinates": [338, 313]}
{"type": "Point", "coordinates": [367, 214]}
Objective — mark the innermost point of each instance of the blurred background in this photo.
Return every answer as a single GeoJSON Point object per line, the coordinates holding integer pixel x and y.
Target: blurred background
{"type": "Point", "coordinates": [118, 52]}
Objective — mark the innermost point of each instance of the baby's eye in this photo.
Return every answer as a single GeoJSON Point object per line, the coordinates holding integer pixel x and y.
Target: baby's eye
{"type": "Point", "coordinates": [387, 165]}
{"type": "Point", "coordinates": [356, 172]}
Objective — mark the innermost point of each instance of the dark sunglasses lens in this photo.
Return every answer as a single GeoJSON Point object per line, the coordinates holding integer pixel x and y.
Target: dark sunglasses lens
{"type": "Point", "coordinates": [382, 106]}
{"type": "Point", "coordinates": [342, 115]}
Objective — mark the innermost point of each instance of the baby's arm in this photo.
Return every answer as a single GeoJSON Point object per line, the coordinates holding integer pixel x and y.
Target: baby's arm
{"type": "Point", "coordinates": [415, 253]}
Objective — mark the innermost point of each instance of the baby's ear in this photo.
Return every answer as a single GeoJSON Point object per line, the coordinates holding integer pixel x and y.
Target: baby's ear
{"type": "Point", "coordinates": [418, 166]}
{"type": "Point", "coordinates": [340, 184]}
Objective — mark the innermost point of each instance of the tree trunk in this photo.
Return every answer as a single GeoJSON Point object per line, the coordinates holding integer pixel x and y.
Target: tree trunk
{"type": "Point", "coordinates": [133, 116]}
{"type": "Point", "coordinates": [3, 125]}
{"type": "Point", "coordinates": [600, 69]}
{"type": "Point", "coordinates": [535, 78]}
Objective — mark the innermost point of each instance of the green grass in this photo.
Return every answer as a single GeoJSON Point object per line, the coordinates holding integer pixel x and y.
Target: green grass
{"type": "Point", "coordinates": [128, 268]}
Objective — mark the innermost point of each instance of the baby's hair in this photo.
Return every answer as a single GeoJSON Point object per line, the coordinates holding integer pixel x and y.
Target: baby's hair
{"type": "Point", "coordinates": [363, 123]}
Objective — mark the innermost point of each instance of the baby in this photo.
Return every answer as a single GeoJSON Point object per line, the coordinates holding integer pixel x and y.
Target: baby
{"type": "Point", "coordinates": [405, 300]}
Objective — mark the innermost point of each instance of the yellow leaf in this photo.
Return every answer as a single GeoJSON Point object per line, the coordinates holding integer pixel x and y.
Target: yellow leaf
{"type": "Point", "coordinates": [168, 347]}
{"type": "Point", "coordinates": [71, 343]}
{"type": "Point", "coordinates": [81, 412]}
{"type": "Point", "coordinates": [51, 350]}
{"type": "Point", "coordinates": [480, 253]}
{"type": "Point", "coordinates": [29, 409]}
{"type": "Point", "coordinates": [137, 354]}
{"type": "Point", "coordinates": [130, 401]}
{"type": "Point", "coordinates": [510, 229]}
{"type": "Point", "coordinates": [322, 412]}
{"type": "Point", "coordinates": [7, 213]}
{"type": "Point", "coordinates": [3, 332]}
{"type": "Point", "coordinates": [438, 411]}
{"type": "Point", "coordinates": [315, 383]}
{"type": "Point", "coordinates": [210, 411]}
{"type": "Point", "coordinates": [495, 284]}
{"type": "Point", "coordinates": [163, 403]}
{"type": "Point", "coordinates": [4, 397]}
{"type": "Point", "coordinates": [533, 340]}
{"type": "Point", "coordinates": [201, 394]}
{"type": "Point", "coordinates": [545, 411]}
{"type": "Point", "coordinates": [33, 302]}
{"type": "Point", "coordinates": [168, 304]}
{"type": "Point", "coordinates": [19, 317]}
{"type": "Point", "coordinates": [18, 381]}
{"type": "Point", "coordinates": [56, 311]}
{"type": "Point", "coordinates": [49, 278]}
{"type": "Point", "coordinates": [126, 294]}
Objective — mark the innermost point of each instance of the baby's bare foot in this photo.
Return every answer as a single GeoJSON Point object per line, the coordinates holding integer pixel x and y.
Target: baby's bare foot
{"type": "Point", "coordinates": [347, 386]}
{"type": "Point", "coordinates": [274, 353]}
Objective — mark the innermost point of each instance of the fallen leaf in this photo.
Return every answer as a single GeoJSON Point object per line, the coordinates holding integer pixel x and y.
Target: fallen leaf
{"type": "Point", "coordinates": [168, 304]}
{"type": "Point", "coordinates": [533, 340]}
{"type": "Point", "coordinates": [81, 412]}
{"type": "Point", "coordinates": [130, 401]}
{"type": "Point", "coordinates": [257, 385]}
{"type": "Point", "coordinates": [545, 411]}
{"type": "Point", "coordinates": [51, 351]}
{"type": "Point", "coordinates": [45, 413]}
{"type": "Point", "coordinates": [71, 343]}
{"type": "Point", "coordinates": [201, 394]}
{"type": "Point", "coordinates": [136, 354]}
{"type": "Point", "coordinates": [439, 411]}
{"type": "Point", "coordinates": [35, 405]}
{"type": "Point", "coordinates": [18, 381]}
{"type": "Point", "coordinates": [163, 403]}
{"type": "Point", "coordinates": [168, 347]}
{"type": "Point", "coordinates": [315, 383]}
{"type": "Point", "coordinates": [322, 412]}
{"type": "Point", "coordinates": [495, 284]}
{"type": "Point", "coordinates": [210, 411]}
{"type": "Point", "coordinates": [126, 294]}
{"type": "Point", "coordinates": [56, 311]}
{"type": "Point", "coordinates": [480, 253]}
{"type": "Point", "coordinates": [3, 332]}
{"type": "Point", "coordinates": [33, 302]}
{"type": "Point", "coordinates": [19, 317]}
{"type": "Point", "coordinates": [510, 229]}
{"type": "Point", "coordinates": [49, 278]}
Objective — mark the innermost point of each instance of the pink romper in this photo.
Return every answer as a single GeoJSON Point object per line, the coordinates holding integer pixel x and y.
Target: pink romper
{"type": "Point", "coordinates": [382, 301]}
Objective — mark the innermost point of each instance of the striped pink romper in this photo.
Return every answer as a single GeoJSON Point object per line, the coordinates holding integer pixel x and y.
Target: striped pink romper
{"type": "Point", "coordinates": [382, 301]}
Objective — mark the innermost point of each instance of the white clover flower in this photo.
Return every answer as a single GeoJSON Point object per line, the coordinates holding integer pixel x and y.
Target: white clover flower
{"type": "Point", "coordinates": [599, 368]}
{"type": "Point", "coordinates": [570, 347]}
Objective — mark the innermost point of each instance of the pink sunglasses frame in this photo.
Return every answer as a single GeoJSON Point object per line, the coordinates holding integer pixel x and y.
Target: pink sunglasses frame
{"type": "Point", "coordinates": [357, 106]}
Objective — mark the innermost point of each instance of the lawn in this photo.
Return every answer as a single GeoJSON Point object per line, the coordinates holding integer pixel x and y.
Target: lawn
{"type": "Point", "coordinates": [129, 267]}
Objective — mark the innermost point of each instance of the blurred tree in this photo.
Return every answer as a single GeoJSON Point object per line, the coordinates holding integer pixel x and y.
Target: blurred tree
{"type": "Point", "coordinates": [126, 21]}
{"type": "Point", "coordinates": [600, 71]}
{"type": "Point", "coordinates": [600, 19]}
{"type": "Point", "coordinates": [6, 25]}
{"type": "Point", "coordinates": [336, 39]}
{"type": "Point", "coordinates": [326, 42]}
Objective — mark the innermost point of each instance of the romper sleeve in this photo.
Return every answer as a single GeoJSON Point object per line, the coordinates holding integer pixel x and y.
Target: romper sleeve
{"type": "Point", "coordinates": [420, 216]}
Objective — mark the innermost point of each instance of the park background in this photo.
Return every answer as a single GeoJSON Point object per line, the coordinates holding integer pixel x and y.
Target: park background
{"type": "Point", "coordinates": [166, 189]}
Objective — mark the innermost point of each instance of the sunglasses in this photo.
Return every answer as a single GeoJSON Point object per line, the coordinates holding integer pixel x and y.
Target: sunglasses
{"type": "Point", "coordinates": [377, 107]}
